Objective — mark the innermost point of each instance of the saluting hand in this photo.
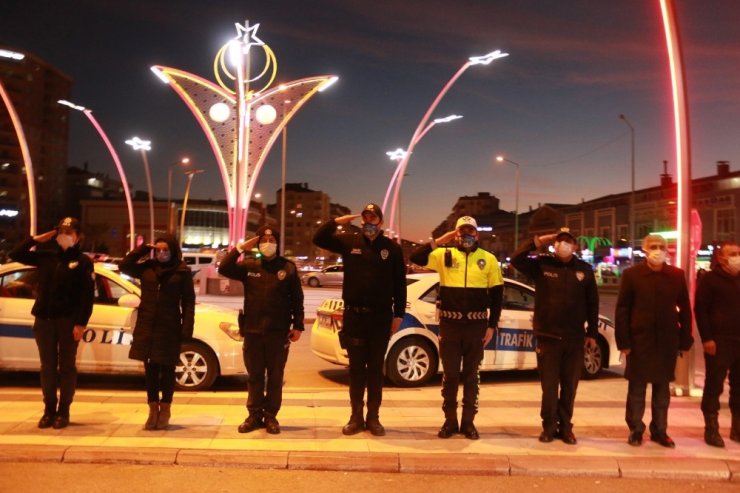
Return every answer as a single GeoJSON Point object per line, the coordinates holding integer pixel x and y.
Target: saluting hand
{"type": "Point", "coordinates": [446, 238]}
{"type": "Point", "coordinates": [43, 238]}
{"type": "Point", "coordinates": [341, 220]}
{"type": "Point", "coordinates": [545, 239]}
{"type": "Point", "coordinates": [247, 245]}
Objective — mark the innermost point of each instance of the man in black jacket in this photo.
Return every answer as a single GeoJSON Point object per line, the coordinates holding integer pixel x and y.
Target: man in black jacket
{"type": "Point", "coordinates": [273, 301]}
{"type": "Point", "coordinates": [717, 310]}
{"type": "Point", "coordinates": [566, 298]}
{"type": "Point", "coordinates": [374, 293]}
{"type": "Point", "coordinates": [62, 309]}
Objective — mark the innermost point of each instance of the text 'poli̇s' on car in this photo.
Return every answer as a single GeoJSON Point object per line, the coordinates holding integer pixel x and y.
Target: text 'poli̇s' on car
{"type": "Point", "coordinates": [216, 347]}
{"type": "Point", "coordinates": [413, 359]}
{"type": "Point", "coordinates": [329, 276]}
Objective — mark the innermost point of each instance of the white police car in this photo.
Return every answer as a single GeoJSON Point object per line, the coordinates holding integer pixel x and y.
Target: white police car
{"type": "Point", "coordinates": [216, 348]}
{"type": "Point", "coordinates": [413, 352]}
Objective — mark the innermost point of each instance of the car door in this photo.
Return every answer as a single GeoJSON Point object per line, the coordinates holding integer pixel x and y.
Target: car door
{"type": "Point", "coordinates": [18, 289]}
{"type": "Point", "coordinates": [333, 276]}
{"type": "Point", "coordinates": [514, 340]}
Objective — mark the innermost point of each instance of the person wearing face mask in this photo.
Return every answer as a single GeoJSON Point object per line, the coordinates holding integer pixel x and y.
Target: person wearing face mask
{"type": "Point", "coordinates": [165, 320]}
{"type": "Point", "coordinates": [566, 316]}
{"type": "Point", "coordinates": [717, 310]}
{"type": "Point", "coordinates": [374, 293]}
{"type": "Point", "coordinates": [273, 318]}
{"type": "Point", "coordinates": [63, 306]}
{"type": "Point", "coordinates": [652, 326]}
{"type": "Point", "coordinates": [469, 303]}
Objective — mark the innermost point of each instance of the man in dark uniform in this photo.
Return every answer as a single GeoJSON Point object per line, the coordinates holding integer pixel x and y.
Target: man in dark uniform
{"type": "Point", "coordinates": [470, 301]}
{"type": "Point", "coordinates": [566, 299]}
{"type": "Point", "coordinates": [653, 324]}
{"type": "Point", "coordinates": [717, 310]}
{"type": "Point", "coordinates": [62, 309]}
{"type": "Point", "coordinates": [374, 293]}
{"type": "Point", "coordinates": [273, 301]}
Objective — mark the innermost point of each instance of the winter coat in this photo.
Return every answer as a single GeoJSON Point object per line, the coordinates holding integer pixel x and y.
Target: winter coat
{"type": "Point", "coordinates": [167, 310]}
{"type": "Point", "coordinates": [717, 306]}
{"type": "Point", "coordinates": [653, 321]}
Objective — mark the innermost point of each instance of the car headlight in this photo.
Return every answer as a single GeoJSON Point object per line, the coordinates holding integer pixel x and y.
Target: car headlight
{"type": "Point", "coordinates": [231, 330]}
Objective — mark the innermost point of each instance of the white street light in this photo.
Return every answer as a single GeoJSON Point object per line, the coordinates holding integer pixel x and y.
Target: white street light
{"type": "Point", "coordinates": [143, 146]}
{"type": "Point", "coordinates": [183, 162]}
{"type": "Point", "coordinates": [501, 159]}
{"type": "Point", "coordinates": [632, 189]}
{"type": "Point", "coordinates": [190, 173]}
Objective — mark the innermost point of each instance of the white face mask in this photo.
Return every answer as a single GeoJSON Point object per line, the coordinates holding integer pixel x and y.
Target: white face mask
{"type": "Point", "coordinates": [268, 249]}
{"type": "Point", "coordinates": [733, 265]}
{"type": "Point", "coordinates": [563, 249]}
{"type": "Point", "coordinates": [65, 241]}
{"type": "Point", "coordinates": [656, 257]}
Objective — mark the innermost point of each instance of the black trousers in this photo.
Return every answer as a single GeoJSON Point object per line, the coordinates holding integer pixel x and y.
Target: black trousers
{"type": "Point", "coordinates": [265, 356]}
{"type": "Point", "coordinates": [159, 378]}
{"type": "Point", "coordinates": [658, 403]}
{"type": "Point", "coordinates": [559, 362]}
{"type": "Point", "coordinates": [58, 355]}
{"type": "Point", "coordinates": [727, 360]}
{"type": "Point", "coordinates": [367, 335]}
{"type": "Point", "coordinates": [461, 342]}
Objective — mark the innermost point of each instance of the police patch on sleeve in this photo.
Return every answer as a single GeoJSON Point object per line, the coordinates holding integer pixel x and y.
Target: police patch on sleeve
{"type": "Point", "coordinates": [281, 274]}
{"type": "Point", "coordinates": [73, 264]}
{"type": "Point", "coordinates": [580, 275]}
{"type": "Point", "coordinates": [481, 264]}
{"type": "Point", "coordinates": [384, 253]}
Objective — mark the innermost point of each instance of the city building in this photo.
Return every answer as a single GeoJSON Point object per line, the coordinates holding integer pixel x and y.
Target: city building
{"type": "Point", "coordinates": [305, 211]}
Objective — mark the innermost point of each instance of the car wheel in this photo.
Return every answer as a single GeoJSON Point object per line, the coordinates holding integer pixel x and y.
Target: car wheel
{"type": "Point", "coordinates": [198, 367]}
{"type": "Point", "coordinates": [314, 282]}
{"type": "Point", "coordinates": [411, 362]}
{"type": "Point", "coordinates": [594, 358]}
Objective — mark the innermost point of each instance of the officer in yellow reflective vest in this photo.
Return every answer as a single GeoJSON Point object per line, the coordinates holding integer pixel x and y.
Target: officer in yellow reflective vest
{"type": "Point", "coordinates": [469, 306]}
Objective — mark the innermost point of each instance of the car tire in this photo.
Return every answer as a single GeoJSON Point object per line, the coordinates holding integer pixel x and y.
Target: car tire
{"type": "Point", "coordinates": [412, 362]}
{"type": "Point", "coordinates": [594, 359]}
{"type": "Point", "coordinates": [198, 367]}
{"type": "Point", "coordinates": [314, 282]}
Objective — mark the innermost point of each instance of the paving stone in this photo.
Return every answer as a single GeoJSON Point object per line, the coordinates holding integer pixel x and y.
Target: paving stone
{"type": "Point", "coordinates": [474, 464]}
{"type": "Point", "coordinates": [120, 455]}
{"type": "Point", "coordinates": [31, 453]}
{"type": "Point", "coordinates": [251, 459]}
{"type": "Point", "coordinates": [563, 466]}
{"type": "Point", "coordinates": [344, 461]}
{"type": "Point", "coordinates": [684, 468]}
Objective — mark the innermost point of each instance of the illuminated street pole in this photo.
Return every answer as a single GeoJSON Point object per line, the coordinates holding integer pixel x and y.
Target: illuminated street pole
{"type": "Point", "coordinates": [183, 162]}
{"type": "Point", "coordinates": [190, 174]}
{"type": "Point", "coordinates": [121, 174]}
{"type": "Point", "coordinates": [283, 176]}
{"type": "Point", "coordinates": [241, 123]}
{"type": "Point", "coordinates": [501, 159]}
{"type": "Point", "coordinates": [632, 189]}
{"type": "Point", "coordinates": [475, 60]}
{"type": "Point", "coordinates": [143, 146]}
{"type": "Point", "coordinates": [403, 157]}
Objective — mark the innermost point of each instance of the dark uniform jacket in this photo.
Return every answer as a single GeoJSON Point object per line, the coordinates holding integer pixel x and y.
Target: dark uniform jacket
{"type": "Point", "coordinates": [273, 297]}
{"type": "Point", "coordinates": [374, 271]}
{"type": "Point", "coordinates": [167, 311]}
{"type": "Point", "coordinates": [66, 281]}
{"type": "Point", "coordinates": [717, 306]}
{"type": "Point", "coordinates": [566, 296]}
{"type": "Point", "coordinates": [649, 324]}
{"type": "Point", "coordinates": [471, 287]}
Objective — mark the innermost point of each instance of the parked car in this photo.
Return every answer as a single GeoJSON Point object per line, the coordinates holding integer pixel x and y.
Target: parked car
{"type": "Point", "coordinates": [216, 348]}
{"type": "Point", "coordinates": [197, 261]}
{"type": "Point", "coordinates": [330, 276]}
{"type": "Point", "coordinates": [413, 352]}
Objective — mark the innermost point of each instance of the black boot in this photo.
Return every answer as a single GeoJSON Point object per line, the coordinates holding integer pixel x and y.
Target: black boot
{"type": "Point", "coordinates": [735, 430]}
{"type": "Point", "coordinates": [356, 423]}
{"type": "Point", "coordinates": [450, 426]}
{"type": "Point", "coordinates": [711, 431]}
{"type": "Point", "coordinates": [61, 420]}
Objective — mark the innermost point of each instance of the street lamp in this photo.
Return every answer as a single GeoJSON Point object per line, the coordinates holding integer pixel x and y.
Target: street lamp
{"type": "Point", "coordinates": [143, 146]}
{"type": "Point", "coordinates": [190, 173]}
{"type": "Point", "coordinates": [183, 162]}
{"type": "Point", "coordinates": [421, 128]}
{"type": "Point", "coordinates": [632, 189]}
{"type": "Point", "coordinates": [501, 159]}
{"type": "Point", "coordinates": [126, 191]}
{"type": "Point", "coordinates": [283, 175]}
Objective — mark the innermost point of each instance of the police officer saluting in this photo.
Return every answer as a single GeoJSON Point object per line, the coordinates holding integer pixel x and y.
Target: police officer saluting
{"type": "Point", "coordinates": [566, 298]}
{"type": "Point", "coordinates": [470, 300]}
{"type": "Point", "coordinates": [374, 293]}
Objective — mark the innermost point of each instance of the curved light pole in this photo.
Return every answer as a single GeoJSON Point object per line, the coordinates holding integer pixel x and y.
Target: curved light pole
{"type": "Point", "coordinates": [632, 189]}
{"type": "Point", "coordinates": [143, 146]}
{"type": "Point", "coordinates": [421, 128]}
{"type": "Point", "coordinates": [501, 159]}
{"type": "Point", "coordinates": [190, 174]}
{"type": "Point", "coordinates": [183, 162]}
{"type": "Point", "coordinates": [403, 157]}
{"type": "Point", "coordinates": [121, 174]}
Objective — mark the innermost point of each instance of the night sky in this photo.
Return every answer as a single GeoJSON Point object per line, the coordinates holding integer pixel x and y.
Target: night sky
{"type": "Point", "coordinates": [553, 105]}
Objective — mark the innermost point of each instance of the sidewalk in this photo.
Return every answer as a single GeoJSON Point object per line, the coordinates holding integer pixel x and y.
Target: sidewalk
{"type": "Point", "coordinates": [106, 428]}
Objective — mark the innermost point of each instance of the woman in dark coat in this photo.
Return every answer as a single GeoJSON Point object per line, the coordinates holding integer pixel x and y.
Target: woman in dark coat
{"type": "Point", "coordinates": [164, 321]}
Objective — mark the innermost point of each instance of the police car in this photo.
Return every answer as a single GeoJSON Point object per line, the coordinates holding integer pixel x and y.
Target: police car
{"type": "Point", "coordinates": [413, 352]}
{"type": "Point", "coordinates": [216, 348]}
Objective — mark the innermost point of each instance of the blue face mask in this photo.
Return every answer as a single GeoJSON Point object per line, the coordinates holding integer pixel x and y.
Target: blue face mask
{"type": "Point", "coordinates": [467, 242]}
{"type": "Point", "coordinates": [369, 230]}
{"type": "Point", "coordinates": [163, 256]}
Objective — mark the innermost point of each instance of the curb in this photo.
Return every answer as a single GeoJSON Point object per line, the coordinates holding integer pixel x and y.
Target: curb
{"type": "Point", "coordinates": [683, 469]}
